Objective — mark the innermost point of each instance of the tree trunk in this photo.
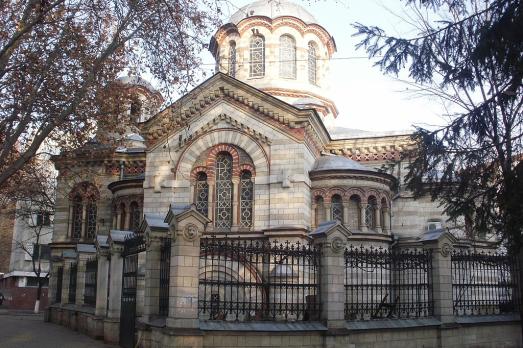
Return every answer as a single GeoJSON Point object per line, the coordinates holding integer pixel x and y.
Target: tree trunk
{"type": "Point", "coordinates": [38, 295]}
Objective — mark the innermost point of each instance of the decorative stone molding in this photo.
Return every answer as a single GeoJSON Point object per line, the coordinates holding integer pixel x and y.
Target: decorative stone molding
{"type": "Point", "coordinates": [190, 232]}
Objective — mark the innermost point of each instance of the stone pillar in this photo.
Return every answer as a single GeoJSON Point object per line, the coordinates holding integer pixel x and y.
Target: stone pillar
{"type": "Point", "coordinates": [65, 280]}
{"type": "Point", "coordinates": [119, 220]}
{"type": "Point", "coordinates": [115, 283]}
{"type": "Point", "coordinates": [84, 219]}
{"type": "Point", "coordinates": [332, 237]}
{"type": "Point", "coordinates": [80, 279]}
{"type": "Point", "coordinates": [102, 282]}
{"type": "Point", "coordinates": [346, 217]}
{"type": "Point", "coordinates": [70, 222]}
{"type": "Point", "coordinates": [210, 205]}
{"type": "Point", "coordinates": [440, 244]}
{"type": "Point", "coordinates": [127, 219]}
{"type": "Point", "coordinates": [152, 277]}
{"type": "Point", "coordinates": [377, 216]}
{"type": "Point", "coordinates": [313, 215]}
{"type": "Point", "coordinates": [363, 224]}
{"type": "Point", "coordinates": [328, 215]}
{"type": "Point", "coordinates": [386, 220]}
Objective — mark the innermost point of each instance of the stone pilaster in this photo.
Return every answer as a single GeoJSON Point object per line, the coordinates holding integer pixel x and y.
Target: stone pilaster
{"type": "Point", "coordinates": [332, 238]}
{"type": "Point", "coordinates": [115, 282]}
{"type": "Point", "coordinates": [152, 277]}
{"type": "Point", "coordinates": [80, 279]}
{"type": "Point", "coordinates": [102, 282]}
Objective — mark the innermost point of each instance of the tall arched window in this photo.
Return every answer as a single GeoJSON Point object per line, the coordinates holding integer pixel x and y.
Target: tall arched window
{"type": "Point", "coordinates": [370, 213]}
{"type": "Point", "coordinates": [122, 216]}
{"type": "Point", "coordinates": [337, 208]}
{"type": "Point", "coordinates": [246, 198]}
{"type": "Point", "coordinates": [136, 216]}
{"type": "Point", "coordinates": [312, 63]}
{"type": "Point", "coordinates": [257, 56]}
{"type": "Point", "coordinates": [202, 193]}
{"type": "Point", "coordinates": [223, 172]}
{"type": "Point", "coordinates": [287, 57]}
{"type": "Point", "coordinates": [354, 212]}
{"type": "Point", "coordinates": [232, 59]}
{"type": "Point", "coordinates": [76, 229]}
{"type": "Point", "coordinates": [320, 210]}
{"type": "Point", "coordinates": [90, 226]}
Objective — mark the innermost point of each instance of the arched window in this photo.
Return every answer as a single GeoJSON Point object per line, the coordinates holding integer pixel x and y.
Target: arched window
{"type": "Point", "coordinates": [354, 212]}
{"type": "Point", "coordinates": [246, 198]}
{"type": "Point", "coordinates": [320, 210]}
{"type": "Point", "coordinates": [202, 193]}
{"type": "Point", "coordinates": [76, 229]}
{"type": "Point", "coordinates": [136, 217]}
{"type": "Point", "coordinates": [122, 217]}
{"type": "Point", "coordinates": [257, 56]}
{"type": "Point", "coordinates": [90, 226]}
{"type": "Point", "coordinates": [223, 172]}
{"type": "Point", "coordinates": [312, 63]}
{"type": "Point", "coordinates": [337, 208]}
{"type": "Point", "coordinates": [287, 57]}
{"type": "Point", "coordinates": [232, 59]}
{"type": "Point", "coordinates": [370, 213]}
{"type": "Point", "coordinates": [136, 110]}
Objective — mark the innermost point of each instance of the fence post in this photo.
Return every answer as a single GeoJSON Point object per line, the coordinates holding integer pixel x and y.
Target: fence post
{"type": "Point", "coordinates": [154, 229]}
{"type": "Point", "coordinates": [441, 243]}
{"type": "Point", "coordinates": [102, 275]}
{"type": "Point", "coordinates": [186, 229]}
{"type": "Point", "coordinates": [115, 281]}
{"type": "Point", "coordinates": [331, 237]}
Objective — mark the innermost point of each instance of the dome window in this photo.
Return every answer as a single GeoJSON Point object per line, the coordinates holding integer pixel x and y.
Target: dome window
{"type": "Point", "coordinates": [232, 59]}
{"type": "Point", "coordinates": [287, 57]}
{"type": "Point", "coordinates": [257, 56]}
{"type": "Point", "coordinates": [312, 63]}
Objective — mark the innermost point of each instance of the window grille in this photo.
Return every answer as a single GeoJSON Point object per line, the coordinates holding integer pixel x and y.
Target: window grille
{"type": "Point", "coordinates": [287, 57]}
{"type": "Point", "coordinates": [337, 208]}
{"type": "Point", "coordinates": [91, 221]}
{"type": "Point", "coordinates": [202, 194]}
{"type": "Point", "coordinates": [370, 216]}
{"type": "Point", "coordinates": [232, 59]}
{"type": "Point", "coordinates": [223, 190]}
{"type": "Point", "coordinates": [246, 199]}
{"type": "Point", "coordinates": [354, 212]}
{"type": "Point", "coordinates": [76, 231]}
{"type": "Point", "coordinates": [312, 63]}
{"type": "Point", "coordinates": [91, 269]}
{"type": "Point", "coordinates": [257, 57]}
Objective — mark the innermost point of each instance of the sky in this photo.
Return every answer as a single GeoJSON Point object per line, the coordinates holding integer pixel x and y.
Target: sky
{"type": "Point", "coordinates": [366, 99]}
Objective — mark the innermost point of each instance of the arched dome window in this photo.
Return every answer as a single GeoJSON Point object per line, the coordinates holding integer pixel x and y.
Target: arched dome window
{"type": "Point", "coordinates": [76, 229]}
{"type": "Point", "coordinates": [83, 211]}
{"type": "Point", "coordinates": [354, 212]}
{"type": "Point", "coordinates": [136, 217]}
{"type": "Point", "coordinates": [370, 213]}
{"type": "Point", "coordinates": [232, 59]}
{"type": "Point", "coordinates": [337, 208]}
{"type": "Point", "coordinates": [223, 172]}
{"type": "Point", "coordinates": [287, 57]}
{"type": "Point", "coordinates": [312, 66]}
{"type": "Point", "coordinates": [257, 56]}
{"type": "Point", "coordinates": [320, 210]}
{"type": "Point", "coordinates": [246, 198]}
{"type": "Point", "coordinates": [202, 193]}
{"type": "Point", "coordinates": [90, 228]}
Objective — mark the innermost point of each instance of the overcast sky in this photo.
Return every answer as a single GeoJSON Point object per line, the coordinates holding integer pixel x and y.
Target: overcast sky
{"type": "Point", "coordinates": [366, 98]}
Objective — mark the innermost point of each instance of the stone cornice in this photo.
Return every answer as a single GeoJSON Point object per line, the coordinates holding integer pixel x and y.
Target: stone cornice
{"type": "Point", "coordinates": [381, 148]}
{"type": "Point", "coordinates": [292, 93]}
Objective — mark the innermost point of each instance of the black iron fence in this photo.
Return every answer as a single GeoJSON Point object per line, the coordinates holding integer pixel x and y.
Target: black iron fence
{"type": "Point", "coordinates": [59, 281]}
{"type": "Point", "coordinates": [91, 270]}
{"type": "Point", "coordinates": [133, 244]}
{"type": "Point", "coordinates": [257, 280]}
{"type": "Point", "coordinates": [72, 283]}
{"type": "Point", "coordinates": [165, 263]}
{"type": "Point", "coordinates": [484, 283]}
{"type": "Point", "coordinates": [384, 283]}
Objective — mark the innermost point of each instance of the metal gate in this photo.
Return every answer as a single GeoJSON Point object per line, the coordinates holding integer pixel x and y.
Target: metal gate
{"type": "Point", "coordinates": [132, 246]}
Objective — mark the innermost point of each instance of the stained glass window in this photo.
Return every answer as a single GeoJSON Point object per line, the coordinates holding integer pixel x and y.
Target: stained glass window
{"type": "Point", "coordinates": [202, 193]}
{"type": "Point", "coordinates": [76, 231]}
{"type": "Point", "coordinates": [232, 59]}
{"type": "Point", "coordinates": [337, 208]}
{"type": "Point", "coordinates": [246, 199]}
{"type": "Point", "coordinates": [257, 57]}
{"type": "Point", "coordinates": [287, 57]}
{"type": "Point", "coordinates": [312, 63]}
{"type": "Point", "coordinates": [354, 212]}
{"type": "Point", "coordinates": [223, 172]}
{"type": "Point", "coordinates": [320, 211]}
{"type": "Point", "coordinates": [136, 217]}
{"type": "Point", "coordinates": [90, 230]}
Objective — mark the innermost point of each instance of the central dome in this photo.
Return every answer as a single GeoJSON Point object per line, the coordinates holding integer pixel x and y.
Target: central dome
{"type": "Point", "coordinates": [273, 9]}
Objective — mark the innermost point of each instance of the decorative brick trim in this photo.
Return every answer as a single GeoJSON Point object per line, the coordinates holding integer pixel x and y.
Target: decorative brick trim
{"type": "Point", "coordinates": [248, 167]}
{"type": "Point", "coordinates": [211, 159]}
{"type": "Point", "coordinates": [86, 190]}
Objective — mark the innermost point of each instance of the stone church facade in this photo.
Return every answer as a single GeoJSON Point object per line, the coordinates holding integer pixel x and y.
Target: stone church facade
{"type": "Point", "coordinates": [249, 152]}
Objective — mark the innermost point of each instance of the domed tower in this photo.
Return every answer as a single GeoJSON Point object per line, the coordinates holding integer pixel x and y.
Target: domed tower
{"type": "Point", "coordinates": [278, 47]}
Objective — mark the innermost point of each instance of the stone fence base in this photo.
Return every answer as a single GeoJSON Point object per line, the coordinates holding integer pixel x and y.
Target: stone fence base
{"type": "Point", "coordinates": [82, 319]}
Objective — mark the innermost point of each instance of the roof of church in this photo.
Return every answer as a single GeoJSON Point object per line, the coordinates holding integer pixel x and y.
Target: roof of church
{"type": "Point", "coordinates": [333, 162]}
{"type": "Point", "coordinates": [273, 9]}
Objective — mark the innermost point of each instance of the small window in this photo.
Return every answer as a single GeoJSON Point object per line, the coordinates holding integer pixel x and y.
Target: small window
{"type": "Point", "coordinates": [312, 63]}
{"type": "Point", "coordinates": [202, 193]}
{"type": "Point", "coordinates": [370, 213]}
{"type": "Point", "coordinates": [43, 218]}
{"type": "Point", "coordinates": [337, 208]}
{"type": "Point", "coordinates": [320, 210]}
{"type": "Point", "coordinates": [287, 57]}
{"type": "Point", "coordinates": [257, 56]}
{"type": "Point", "coordinates": [136, 217]}
{"type": "Point", "coordinates": [76, 231]}
{"type": "Point", "coordinates": [434, 225]}
{"type": "Point", "coordinates": [246, 199]}
{"type": "Point", "coordinates": [136, 110]}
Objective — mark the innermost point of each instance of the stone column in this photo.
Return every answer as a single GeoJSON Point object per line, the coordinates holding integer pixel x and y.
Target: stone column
{"type": "Point", "coordinates": [115, 283]}
{"type": "Point", "coordinates": [102, 282]}
{"type": "Point", "coordinates": [235, 202]}
{"type": "Point", "coordinates": [386, 220]}
{"type": "Point", "coordinates": [313, 215]}
{"type": "Point", "coordinates": [152, 277]}
{"type": "Point", "coordinates": [210, 199]}
{"type": "Point", "coordinates": [377, 216]}
{"type": "Point", "coordinates": [84, 219]}
{"type": "Point", "coordinates": [363, 224]}
{"type": "Point", "coordinates": [332, 240]}
{"type": "Point", "coordinates": [119, 220]}
{"type": "Point", "coordinates": [328, 215]}
{"type": "Point", "coordinates": [440, 244]}
{"type": "Point", "coordinates": [70, 222]}
{"type": "Point", "coordinates": [65, 281]}
{"type": "Point", "coordinates": [346, 217]}
{"type": "Point", "coordinates": [127, 219]}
